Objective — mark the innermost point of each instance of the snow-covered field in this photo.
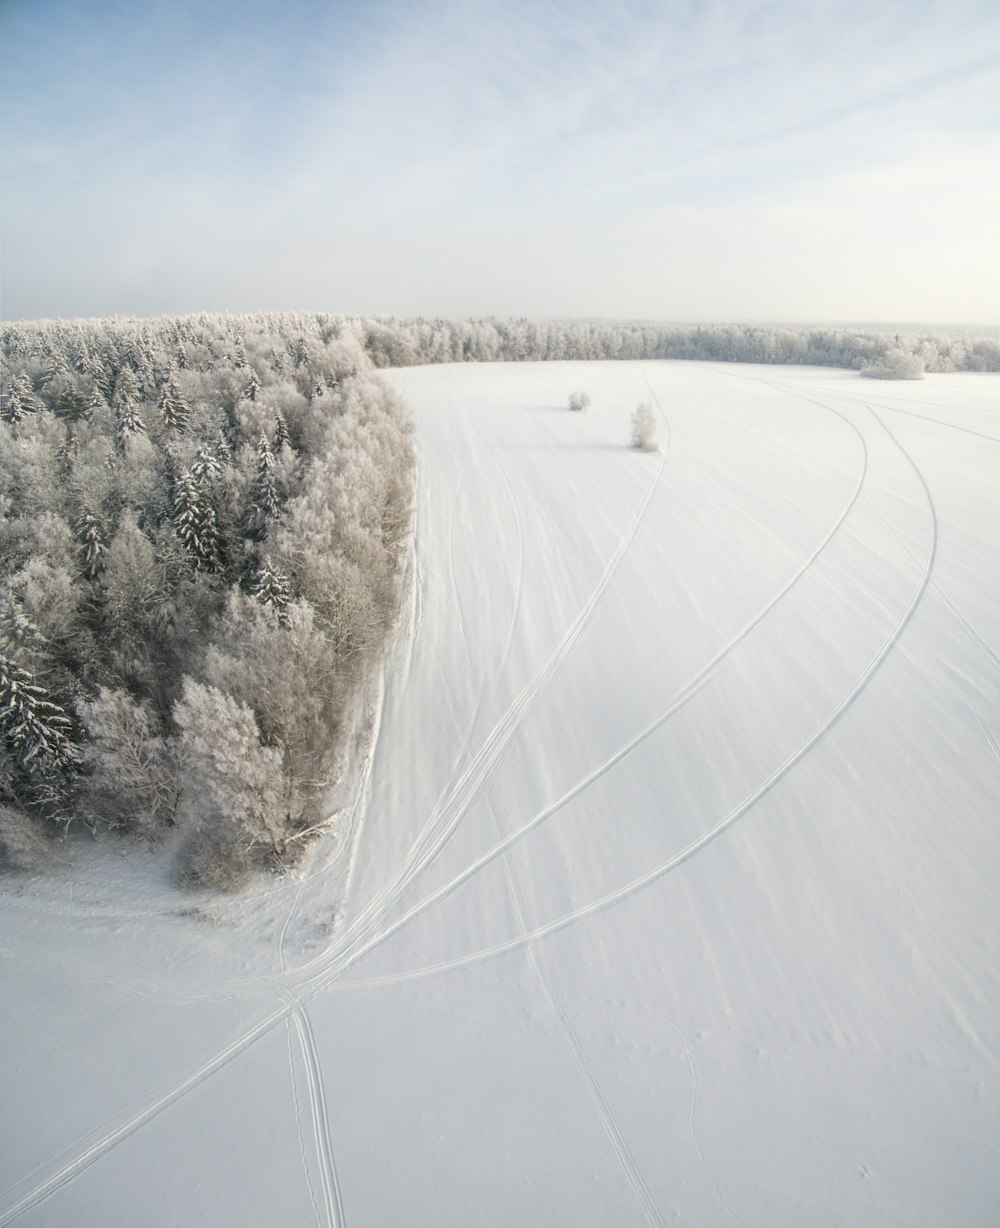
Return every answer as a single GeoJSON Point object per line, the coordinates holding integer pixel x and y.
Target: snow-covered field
{"type": "Point", "coordinates": [665, 891]}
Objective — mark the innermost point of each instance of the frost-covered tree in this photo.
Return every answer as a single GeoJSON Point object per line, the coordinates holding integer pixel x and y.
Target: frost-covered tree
{"type": "Point", "coordinates": [231, 802]}
{"type": "Point", "coordinates": [195, 521]}
{"type": "Point", "coordinates": [271, 588]}
{"type": "Point", "coordinates": [19, 400]}
{"type": "Point", "coordinates": [578, 401]}
{"type": "Point", "coordinates": [895, 364]}
{"type": "Point", "coordinates": [128, 424]}
{"type": "Point", "coordinates": [131, 779]}
{"type": "Point", "coordinates": [91, 536]}
{"type": "Point", "coordinates": [172, 405]}
{"type": "Point", "coordinates": [265, 493]}
{"type": "Point", "coordinates": [644, 428]}
{"type": "Point", "coordinates": [38, 741]}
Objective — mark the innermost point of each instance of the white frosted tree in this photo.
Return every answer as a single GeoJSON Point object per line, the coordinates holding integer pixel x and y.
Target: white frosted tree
{"type": "Point", "coordinates": [579, 401]}
{"type": "Point", "coordinates": [231, 802]}
{"type": "Point", "coordinates": [132, 780]}
{"type": "Point", "coordinates": [644, 428]}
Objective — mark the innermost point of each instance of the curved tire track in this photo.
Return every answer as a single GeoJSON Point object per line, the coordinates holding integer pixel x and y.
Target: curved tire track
{"type": "Point", "coordinates": [734, 815]}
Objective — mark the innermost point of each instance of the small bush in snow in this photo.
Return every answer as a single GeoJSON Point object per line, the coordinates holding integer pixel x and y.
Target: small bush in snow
{"type": "Point", "coordinates": [895, 364]}
{"type": "Point", "coordinates": [578, 400]}
{"type": "Point", "coordinates": [644, 428]}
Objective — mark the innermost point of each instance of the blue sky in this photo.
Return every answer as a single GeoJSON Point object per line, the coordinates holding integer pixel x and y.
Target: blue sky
{"type": "Point", "coordinates": [830, 160]}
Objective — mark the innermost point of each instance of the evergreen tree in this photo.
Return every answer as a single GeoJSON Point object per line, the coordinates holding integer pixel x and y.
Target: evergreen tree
{"type": "Point", "coordinates": [253, 387]}
{"type": "Point", "coordinates": [73, 404]}
{"type": "Point", "coordinates": [37, 741]}
{"type": "Point", "coordinates": [96, 403]}
{"type": "Point", "coordinates": [280, 431]}
{"type": "Point", "coordinates": [127, 423]}
{"type": "Point", "coordinates": [265, 494]}
{"type": "Point", "coordinates": [195, 522]}
{"type": "Point", "coordinates": [19, 401]}
{"type": "Point", "coordinates": [126, 391]}
{"type": "Point", "coordinates": [206, 467]}
{"type": "Point", "coordinates": [91, 535]}
{"type": "Point", "coordinates": [175, 410]}
{"type": "Point", "coordinates": [272, 589]}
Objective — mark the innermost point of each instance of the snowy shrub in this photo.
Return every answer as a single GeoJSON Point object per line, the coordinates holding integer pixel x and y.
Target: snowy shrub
{"type": "Point", "coordinates": [578, 400]}
{"type": "Point", "coordinates": [644, 428]}
{"type": "Point", "coordinates": [895, 364]}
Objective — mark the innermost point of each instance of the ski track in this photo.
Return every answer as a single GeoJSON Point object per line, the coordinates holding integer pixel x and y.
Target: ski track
{"type": "Point", "coordinates": [470, 787]}
{"type": "Point", "coordinates": [321, 1120]}
{"type": "Point", "coordinates": [909, 413]}
{"type": "Point", "coordinates": [677, 703]}
{"type": "Point", "coordinates": [612, 1130]}
{"type": "Point", "coordinates": [990, 740]}
{"type": "Point", "coordinates": [692, 1113]}
{"type": "Point", "coordinates": [439, 829]}
{"type": "Point", "coordinates": [328, 969]}
{"type": "Point", "coordinates": [779, 773]}
{"type": "Point", "coordinates": [298, 1125]}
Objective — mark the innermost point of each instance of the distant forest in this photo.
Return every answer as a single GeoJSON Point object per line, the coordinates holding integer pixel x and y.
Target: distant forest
{"type": "Point", "coordinates": [405, 343]}
{"type": "Point", "coordinates": [203, 533]}
{"type": "Point", "coordinates": [202, 552]}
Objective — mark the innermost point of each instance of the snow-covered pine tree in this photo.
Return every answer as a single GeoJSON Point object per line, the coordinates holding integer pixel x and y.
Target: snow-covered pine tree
{"type": "Point", "coordinates": [91, 536]}
{"type": "Point", "coordinates": [195, 522]}
{"type": "Point", "coordinates": [280, 431]}
{"type": "Point", "coordinates": [253, 387]}
{"type": "Point", "coordinates": [126, 391]}
{"type": "Point", "coordinates": [175, 410]}
{"type": "Point", "coordinates": [19, 401]}
{"type": "Point", "coordinates": [74, 405]}
{"type": "Point", "coordinates": [272, 589]}
{"type": "Point", "coordinates": [96, 403]}
{"type": "Point", "coordinates": [37, 731]}
{"type": "Point", "coordinates": [206, 467]}
{"type": "Point", "coordinates": [264, 495]}
{"type": "Point", "coordinates": [128, 423]}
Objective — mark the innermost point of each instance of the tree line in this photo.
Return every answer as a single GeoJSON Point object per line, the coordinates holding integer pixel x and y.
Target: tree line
{"type": "Point", "coordinates": [201, 557]}
{"type": "Point", "coordinates": [409, 342]}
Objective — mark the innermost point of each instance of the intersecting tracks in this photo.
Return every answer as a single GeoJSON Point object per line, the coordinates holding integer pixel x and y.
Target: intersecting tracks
{"type": "Point", "coordinates": [327, 970]}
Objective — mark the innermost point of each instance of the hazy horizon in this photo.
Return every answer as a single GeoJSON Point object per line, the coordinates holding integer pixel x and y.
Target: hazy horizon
{"type": "Point", "coordinates": [709, 162]}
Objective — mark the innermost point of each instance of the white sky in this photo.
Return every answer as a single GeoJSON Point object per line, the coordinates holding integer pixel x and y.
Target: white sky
{"type": "Point", "coordinates": [715, 160]}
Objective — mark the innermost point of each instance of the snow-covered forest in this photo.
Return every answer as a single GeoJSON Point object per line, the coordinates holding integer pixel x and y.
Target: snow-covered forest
{"type": "Point", "coordinates": [203, 528]}
{"type": "Point", "coordinates": [203, 551]}
{"type": "Point", "coordinates": [406, 343]}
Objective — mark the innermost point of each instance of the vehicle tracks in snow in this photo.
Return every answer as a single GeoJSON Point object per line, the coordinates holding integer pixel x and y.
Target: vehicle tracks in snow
{"type": "Point", "coordinates": [679, 701]}
{"type": "Point", "coordinates": [707, 837]}
{"type": "Point", "coordinates": [330, 969]}
{"type": "Point", "coordinates": [332, 1201]}
{"type": "Point", "coordinates": [472, 782]}
{"type": "Point", "coordinates": [612, 1130]}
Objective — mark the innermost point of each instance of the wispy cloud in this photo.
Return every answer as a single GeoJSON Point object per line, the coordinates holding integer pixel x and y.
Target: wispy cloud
{"type": "Point", "coordinates": [318, 140]}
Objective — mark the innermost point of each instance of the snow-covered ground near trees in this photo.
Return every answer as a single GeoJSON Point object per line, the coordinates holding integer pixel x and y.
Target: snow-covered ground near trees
{"type": "Point", "coordinates": [664, 890]}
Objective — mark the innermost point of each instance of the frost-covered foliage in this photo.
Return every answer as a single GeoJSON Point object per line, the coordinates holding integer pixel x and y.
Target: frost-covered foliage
{"type": "Point", "coordinates": [896, 363]}
{"type": "Point", "coordinates": [579, 401]}
{"type": "Point", "coordinates": [644, 428]}
{"type": "Point", "coordinates": [202, 535]}
{"type": "Point", "coordinates": [403, 343]}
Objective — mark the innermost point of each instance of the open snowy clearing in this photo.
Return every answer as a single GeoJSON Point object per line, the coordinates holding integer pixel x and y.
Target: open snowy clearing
{"type": "Point", "coordinates": [664, 891]}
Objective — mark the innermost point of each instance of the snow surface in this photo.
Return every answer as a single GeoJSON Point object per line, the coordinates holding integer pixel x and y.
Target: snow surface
{"type": "Point", "coordinates": [664, 890]}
